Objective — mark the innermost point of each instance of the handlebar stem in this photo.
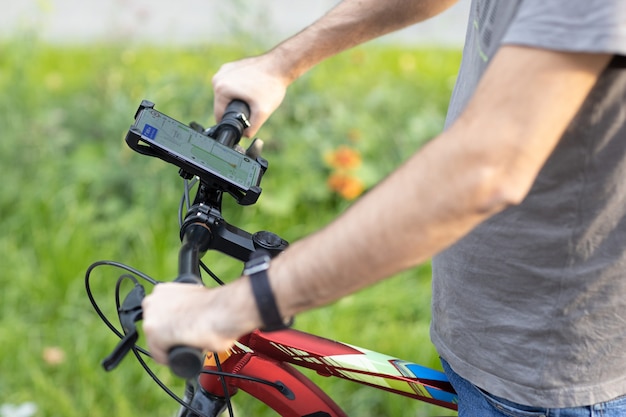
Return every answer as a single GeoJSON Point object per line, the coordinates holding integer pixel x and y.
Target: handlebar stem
{"type": "Point", "coordinates": [204, 228]}
{"type": "Point", "coordinates": [196, 240]}
{"type": "Point", "coordinates": [223, 237]}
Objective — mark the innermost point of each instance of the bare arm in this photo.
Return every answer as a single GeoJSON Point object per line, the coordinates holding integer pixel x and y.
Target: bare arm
{"type": "Point", "coordinates": [485, 162]}
{"type": "Point", "coordinates": [351, 23]}
{"type": "Point", "coordinates": [262, 81]}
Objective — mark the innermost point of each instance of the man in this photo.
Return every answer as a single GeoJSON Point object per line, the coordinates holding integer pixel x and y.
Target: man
{"type": "Point", "coordinates": [521, 201]}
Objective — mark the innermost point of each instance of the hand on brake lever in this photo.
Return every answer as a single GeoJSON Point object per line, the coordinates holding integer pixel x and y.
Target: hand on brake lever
{"type": "Point", "coordinates": [191, 315]}
{"type": "Point", "coordinates": [258, 81]}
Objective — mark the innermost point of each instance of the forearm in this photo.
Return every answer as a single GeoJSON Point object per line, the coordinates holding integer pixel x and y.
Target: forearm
{"type": "Point", "coordinates": [399, 224]}
{"type": "Point", "coordinates": [485, 162]}
{"type": "Point", "coordinates": [351, 23]}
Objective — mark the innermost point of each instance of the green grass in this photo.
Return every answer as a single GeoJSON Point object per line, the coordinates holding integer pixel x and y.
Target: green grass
{"type": "Point", "coordinates": [73, 193]}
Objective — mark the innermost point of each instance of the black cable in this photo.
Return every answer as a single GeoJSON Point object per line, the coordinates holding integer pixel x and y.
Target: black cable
{"type": "Point", "coordinates": [222, 378]}
{"type": "Point", "coordinates": [185, 200]}
{"type": "Point", "coordinates": [138, 350]}
{"type": "Point", "coordinates": [187, 188]}
{"type": "Point", "coordinates": [211, 273]}
{"type": "Point", "coordinates": [275, 385]}
{"type": "Point", "coordinates": [160, 383]}
{"type": "Point", "coordinates": [92, 299]}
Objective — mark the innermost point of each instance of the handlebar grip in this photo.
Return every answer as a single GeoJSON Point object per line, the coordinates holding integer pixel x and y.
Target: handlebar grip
{"type": "Point", "coordinates": [185, 362]}
{"type": "Point", "coordinates": [235, 120]}
{"type": "Point", "coordinates": [237, 107]}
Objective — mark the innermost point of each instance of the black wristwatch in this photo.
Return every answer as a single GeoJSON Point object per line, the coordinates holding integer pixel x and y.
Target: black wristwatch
{"type": "Point", "coordinates": [256, 268]}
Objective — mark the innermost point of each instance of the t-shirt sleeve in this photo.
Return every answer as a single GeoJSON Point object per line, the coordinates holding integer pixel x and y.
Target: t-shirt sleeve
{"type": "Point", "coordinates": [570, 25]}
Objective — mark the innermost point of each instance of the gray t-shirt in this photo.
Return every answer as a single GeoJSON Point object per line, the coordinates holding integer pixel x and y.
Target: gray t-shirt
{"type": "Point", "coordinates": [531, 305]}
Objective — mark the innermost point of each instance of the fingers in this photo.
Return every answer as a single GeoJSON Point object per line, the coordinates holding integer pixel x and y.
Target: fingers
{"type": "Point", "coordinates": [158, 337]}
{"type": "Point", "coordinates": [254, 81]}
{"type": "Point", "coordinates": [176, 314]}
{"type": "Point", "coordinates": [256, 119]}
{"type": "Point", "coordinates": [224, 94]}
{"type": "Point", "coordinates": [167, 318]}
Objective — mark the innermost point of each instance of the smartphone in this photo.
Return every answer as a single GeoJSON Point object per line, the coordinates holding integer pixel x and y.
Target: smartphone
{"type": "Point", "coordinates": [195, 153]}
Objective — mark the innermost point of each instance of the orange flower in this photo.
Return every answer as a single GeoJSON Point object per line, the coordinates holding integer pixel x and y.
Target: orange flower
{"type": "Point", "coordinates": [343, 157]}
{"type": "Point", "coordinates": [345, 185]}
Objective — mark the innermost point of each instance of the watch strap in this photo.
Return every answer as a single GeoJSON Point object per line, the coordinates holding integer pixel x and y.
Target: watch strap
{"type": "Point", "coordinates": [256, 269]}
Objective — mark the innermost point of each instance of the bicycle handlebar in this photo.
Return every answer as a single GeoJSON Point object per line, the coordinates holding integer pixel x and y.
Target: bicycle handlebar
{"type": "Point", "coordinates": [184, 361]}
{"type": "Point", "coordinates": [229, 130]}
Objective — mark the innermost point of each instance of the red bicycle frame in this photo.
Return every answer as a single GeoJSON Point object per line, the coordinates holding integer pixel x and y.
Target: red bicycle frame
{"type": "Point", "coordinates": [269, 356]}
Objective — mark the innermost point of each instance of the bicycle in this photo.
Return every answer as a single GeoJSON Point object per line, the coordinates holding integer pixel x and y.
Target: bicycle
{"type": "Point", "coordinates": [260, 363]}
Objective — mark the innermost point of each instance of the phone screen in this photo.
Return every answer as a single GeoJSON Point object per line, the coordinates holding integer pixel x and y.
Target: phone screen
{"type": "Point", "coordinates": [206, 154]}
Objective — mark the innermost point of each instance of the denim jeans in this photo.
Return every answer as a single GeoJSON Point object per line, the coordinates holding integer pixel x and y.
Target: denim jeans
{"type": "Point", "coordinates": [474, 402]}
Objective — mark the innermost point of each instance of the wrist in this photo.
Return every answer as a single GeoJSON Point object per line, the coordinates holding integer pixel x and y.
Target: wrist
{"type": "Point", "coordinates": [264, 298]}
{"type": "Point", "coordinates": [236, 313]}
{"type": "Point", "coordinates": [289, 61]}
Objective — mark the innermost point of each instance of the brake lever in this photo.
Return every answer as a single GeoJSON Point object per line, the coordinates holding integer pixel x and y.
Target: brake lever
{"type": "Point", "coordinates": [130, 312]}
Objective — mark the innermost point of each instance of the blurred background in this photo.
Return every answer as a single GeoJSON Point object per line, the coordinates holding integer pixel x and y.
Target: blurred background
{"type": "Point", "coordinates": [196, 21]}
{"type": "Point", "coordinates": [72, 74]}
